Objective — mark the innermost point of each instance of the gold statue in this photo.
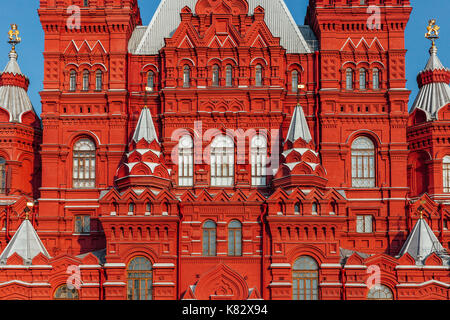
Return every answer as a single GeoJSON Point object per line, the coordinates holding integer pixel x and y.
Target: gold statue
{"type": "Point", "coordinates": [14, 38]}
{"type": "Point", "coordinates": [433, 31]}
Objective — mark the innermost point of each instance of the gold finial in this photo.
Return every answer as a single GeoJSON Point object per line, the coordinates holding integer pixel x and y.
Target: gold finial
{"type": "Point", "coordinates": [433, 31]}
{"type": "Point", "coordinates": [14, 38]}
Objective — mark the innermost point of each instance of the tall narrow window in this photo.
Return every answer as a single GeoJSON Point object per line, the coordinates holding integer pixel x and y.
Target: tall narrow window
{"type": "Point", "coordinates": [73, 80]}
{"type": "Point", "coordinates": [84, 164]}
{"type": "Point", "coordinates": [446, 173]}
{"type": "Point", "coordinates": [64, 293]}
{"type": "Point", "coordinates": [98, 80]}
{"type": "Point", "coordinates": [186, 161]}
{"type": "Point", "coordinates": [235, 238]}
{"type": "Point", "coordinates": [148, 208]}
{"type": "Point", "coordinates": [259, 160]}
{"type": "Point", "coordinates": [150, 81]}
{"type": "Point", "coordinates": [222, 161]}
{"type": "Point", "coordinates": [349, 79]}
{"type": "Point", "coordinates": [294, 81]}
{"type": "Point", "coordinates": [362, 79]}
{"type": "Point", "coordinates": [364, 224]}
{"type": "Point", "coordinates": [363, 163]}
{"type": "Point", "coordinates": [315, 208]}
{"type": "Point", "coordinates": [140, 279]}
{"type": "Point", "coordinates": [258, 75]}
{"type": "Point", "coordinates": [229, 76]}
{"type": "Point", "coordinates": [376, 79]}
{"type": "Point", "coordinates": [186, 77]}
{"type": "Point", "coordinates": [131, 208]}
{"type": "Point", "coordinates": [2, 175]}
{"type": "Point", "coordinates": [305, 278]}
{"type": "Point", "coordinates": [215, 75]}
{"type": "Point", "coordinates": [82, 224]}
{"type": "Point", "coordinates": [85, 80]}
{"type": "Point", "coordinates": [209, 238]}
{"type": "Point", "coordinates": [380, 292]}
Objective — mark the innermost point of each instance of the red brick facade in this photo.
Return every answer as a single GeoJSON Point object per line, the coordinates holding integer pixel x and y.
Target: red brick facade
{"type": "Point", "coordinates": [310, 206]}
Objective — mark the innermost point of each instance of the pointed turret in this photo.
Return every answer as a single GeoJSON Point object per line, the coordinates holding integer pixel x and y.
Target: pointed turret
{"type": "Point", "coordinates": [433, 82]}
{"type": "Point", "coordinates": [300, 164]}
{"type": "Point", "coordinates": [13, 90]}
{"type": "Point", "coordinates": [26, 243]}
{"type": "Point", "coordinates": [422, 242]}
{"type": "Point", "coordinates": [145, 164]}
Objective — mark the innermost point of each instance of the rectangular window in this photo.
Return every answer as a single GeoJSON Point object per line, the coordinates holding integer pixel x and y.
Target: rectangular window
{"type": "Point", "coordinates": [82, 224]}
{"type": "Point", "coordinates": [364, 224]}
{"type": "Point", "coordinates": [446, 177]}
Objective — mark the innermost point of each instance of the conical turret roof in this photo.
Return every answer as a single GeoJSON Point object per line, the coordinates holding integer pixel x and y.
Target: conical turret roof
{"type": "Point", "coordinates": [434, 86]}
{"type": "Point", "coordinates": [145, 128]}
{"type": "Point", "coordinates": [26, 243]}
{"type": "Point", "coordinates": [299, 127]}
{"type": "Point", "coordinates": [422, 242]}
{"type": "Point", "coordinates": [13, 90]}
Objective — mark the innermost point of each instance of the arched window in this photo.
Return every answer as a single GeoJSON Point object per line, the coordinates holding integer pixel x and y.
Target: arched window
{"type": "Point", "coordinates": [85, 80]}
{"type": "Point", "coordinates": [148, 208]}
{"type": "Point", "coordinates": [140, 279]}
{"type": "Point", "coordinates": [294, 81]}
{"type": "Point", "coordinates": [235, 238]}
{"type": "Point", "coordinates": [186, 161]}
{"type": "Point", "coordinates": [363, 163]}
{"type": "Point", "coordinates": [446, 173]}
{"type": "Point", "coordinates": [305, 278]}
{"type": "Point", "coordinates": [349, 79]}
{"type": "Point", "coordinates": [376, 79]}
{"type": "Point", "coordinates": [73, 80]}
{"type": "Point", "coordinates": [215, 75]}
{"type": "Point", "coordinates": [229, 76]}
{"type": "Point", "coordinates": [64, 293]}
{"type": "Point", "coordinates": [131, 208]}
{"type": "Point", "coordinates": [380, 292]}
{"type": "Point", "coordinates": [222, 161]}
{"type": "Point", "coordinates": [297, 207]}
{"type": "Point", "coordinates": [84, 164]}
{"type": "Point", "coordinates": [362, 79]}
{"type": "Point", "coordinates": [258, 75]}
{"type": "Point", "coordinates": [209, 238]}
{"type": "Point", "coordinates": [98, 80]}
{"type": "Point", "coordinates": [150, 81]}
{"type": "Point", "coordinates": [315, 208]}
{"type": "Point", "coordinates": [186, 77]}
{"type": "Point", "coordinates": [2, 175]}
{"type": "Point", "coordinates": [259, 160]}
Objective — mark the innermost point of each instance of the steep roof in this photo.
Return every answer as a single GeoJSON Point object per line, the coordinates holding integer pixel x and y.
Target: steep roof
{"type": "Point", "coordinates": [26, 243]}
{"type": "Point", "coordinates": [421, 242]}
{"type": "Point", "coordinates": [167, 18]}
{"type": "Point", "coordinates": [298, 127]}
{"type": "Point", "coordinates": [434, 89]}
{"type": "Point", "coordinates": [13, 90]}
{"type": "Point", "coordinates": [145, 128]}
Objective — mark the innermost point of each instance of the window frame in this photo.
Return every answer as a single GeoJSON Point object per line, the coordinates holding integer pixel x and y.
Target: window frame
{"type": "Point", "coordinates": [363, 164]}
{"type": "Point", "coordinates": [85, 80]}
{"type": "Point", "coordinates": [72, 80]}
{"type": "Point", "coordinates": [140, 274]}
{"type": "Point", "coordinates": [349, 78]}
{"type": "Point", "coordinates": [235, 239]}
{"type": "Point", "coordinates": [85, 224]}
{"type": "Point", "coordinates": [222, 159]}
{"type": "Point", "coordinates": [73, 291]}
{"type": "Point", "coordinates": [259, 75]}
{"type": "Point", "coordinates": [258, 160]}
{"type": "Point", "coordinates": [446, 174]}
{"type": "Point", "coordinates": [364, 223]}
{"type": "Point", "coordinates": [305, 275]}
{"type": "Point", "coordinates": [186, 76]}
{"type": "Point", "coordinates": [88, 156]}
{"type": "Point", "coordinates": [209, 234]}
{"type": "Point", "coordinates": [186, 161]}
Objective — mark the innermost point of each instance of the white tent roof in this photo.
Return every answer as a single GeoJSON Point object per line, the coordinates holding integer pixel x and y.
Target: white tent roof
{"type": "Point", "coordinates": [26, 243]}
{"type": "Point", "coordinates": [145, 128]}
{"type": "Point", "coordinates": [299, 127]}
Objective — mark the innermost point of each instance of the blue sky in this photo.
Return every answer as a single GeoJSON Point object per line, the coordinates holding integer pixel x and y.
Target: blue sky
{"type": "Point", "coordinates": [24, 13]}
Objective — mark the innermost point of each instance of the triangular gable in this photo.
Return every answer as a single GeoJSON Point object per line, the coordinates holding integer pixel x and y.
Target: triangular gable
{"type": "Point", "coordinates": [256, 196]}
{"type": "Point", "coordinates": [406, 260]}
{"type": "Point", "coordinates": [363, 45]}
{"type": "Point", "coordinates": [71, 49]}
{"type": "Point", "coordinates": [297, 194]}
{"type": "Point", "coordinates": [355, 259]}
{"type": "Point", "coordinates": [90, 259]}
{"type": "Point", "coordinates": [188, 197]}
{"type": "Point", "coordinates": [15, 260]}
{"type": "Point", "coordinates": [40, 260]}
{"type": "Point", "coordinates": [98, 48]}
{"type": "Point", "coordinates": [111, 195]}
{"type": "Point", "coordinates": [189, 294]}
{"type": "Point", "coordinates": [314, 194]}
{"type": "Point", "coordinates": [186, 43]}
{"type": "Point", "coordinates": [85, 48]}
{"type": "Point", "coordinates": [259, 42]}
{"type": "Point", "coordinates": [384, 261]}
{"type": "Point", "coordinates": [239, 196]}
{"type": "Point", "coordinates": [332, 194]}
{"type": "Point", "coordinates": [433, 260]}
{"type": "Point", "coordinates": [204, 196]}
{"type": "Point", "coordinates": [165, 195]}
{"type": "Point", "coordinates": [222, 196]}
{"type": "Point", "coordinates": [147, 195]}
{"type": "Point", "coordinates": [279, 194]}
{"type": "Point", "coordinates": [430, 207]}
{"type": "Point", "coordinates": [254, 294]}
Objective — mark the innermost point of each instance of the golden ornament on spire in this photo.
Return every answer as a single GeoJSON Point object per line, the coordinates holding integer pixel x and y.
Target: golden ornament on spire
{"type": "Point", "coordinates": [14, 38]}
{"type": "Point", "coordinates": [433, 31]}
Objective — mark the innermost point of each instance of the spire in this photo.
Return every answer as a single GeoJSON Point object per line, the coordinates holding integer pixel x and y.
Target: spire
{"type": "Point", "coordinates": [299, 127]}
{"type": "Point", "coordinates": [433, 81]}
{"type": "Point", "coordinates": [145, 128]}
{"type": "Point", "coordinates": [26, 243]}
{"type": "Point", "coordinates": [422, 242]}
{"type": "Point", "coordinates": [14, 84]}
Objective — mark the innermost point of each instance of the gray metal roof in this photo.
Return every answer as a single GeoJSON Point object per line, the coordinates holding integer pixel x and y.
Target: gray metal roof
{"type": "Point", "coordinates": [433, 96]}
{"type": "Point", "coordinates": [299, 127]}
{"type": "Point", "coordinates": [14, 99]}
{"type": "Point", "coordinates": [145, 128]}
{"type": "Point", "coordinates": [167, 18]}
{"type": "Point", "coordinates": [422, 242]}
{"type": "Point", "coordinates": [26, 243]}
